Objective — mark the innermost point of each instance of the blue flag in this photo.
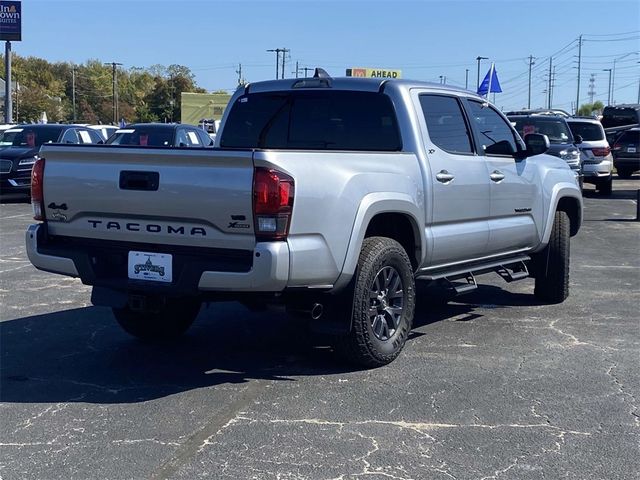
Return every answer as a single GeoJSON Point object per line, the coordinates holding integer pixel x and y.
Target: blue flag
{"type": "Point", "coordinates": [490, 82]}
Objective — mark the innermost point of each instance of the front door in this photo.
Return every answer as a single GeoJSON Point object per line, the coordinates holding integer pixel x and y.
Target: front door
{"type": "Point", "coordinates": [516, 199]}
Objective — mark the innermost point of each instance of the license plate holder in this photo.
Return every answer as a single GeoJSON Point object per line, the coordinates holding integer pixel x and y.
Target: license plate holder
{"type": "Point", "coordinates": [150, 266]}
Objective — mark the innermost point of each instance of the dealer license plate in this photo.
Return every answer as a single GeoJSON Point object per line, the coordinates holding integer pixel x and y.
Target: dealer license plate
{"type": "Point", "coordinates": [155, 267]}
{"type": "Point", "coordinates": [631, 149]}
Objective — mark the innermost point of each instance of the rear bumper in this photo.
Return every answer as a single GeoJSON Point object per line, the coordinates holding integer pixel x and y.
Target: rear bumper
{"type": "Point", "coordinates": [627, 162]}
{"type": "Point", "coordinates": [104, 264]}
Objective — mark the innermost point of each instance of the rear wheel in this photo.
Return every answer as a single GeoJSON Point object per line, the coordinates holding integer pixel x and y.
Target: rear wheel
{"type": "Point", "coordinates": [625, 172]}
{"type": "Point", "coordinates": [605, 186]}
{"type": "Point", "coordinates": [168, 322]}
{"type": "Point", "coordinates": [551, 265]}
{"type": "Point", "coordinates": [383, 304]}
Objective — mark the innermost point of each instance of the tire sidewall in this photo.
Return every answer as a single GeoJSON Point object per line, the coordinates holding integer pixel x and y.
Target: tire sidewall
{"type": "Point", "coordinates": [391, 257]}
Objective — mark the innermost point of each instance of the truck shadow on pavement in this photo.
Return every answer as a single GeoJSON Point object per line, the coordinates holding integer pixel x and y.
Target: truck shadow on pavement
{"type": "Point", "coordinates": [81, 355]}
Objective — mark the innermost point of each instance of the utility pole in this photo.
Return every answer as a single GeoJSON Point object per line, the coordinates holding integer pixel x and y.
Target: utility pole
{"type": "Point", "coordinates": [241, 80]}
{"type": "Point", "coordinates": [297, 69]}
{"type": "Point", "coordinates": [478, 58]}
{"type": "Point", "coordinates": [8, 106]}
{"type": "Point", "coordinates": [277, 50]}
{"type": "Point", "coordinates": [531, 63]}
{"type": "Point", "coordinates": [466, 79]}
{"type": "Point", "coordinates": [307, 69]}
{"type": "Point", "coordinates": [553, 85]}
{"type": "Point", "coordinates": [73, 91]}
{"type": "Point", "coordinates": [114, 81]}
{"type": "Point", "coordinates": [609, 90]}
{"type": "Point", "coordinates": [549, 87]}
{"type": "Point", "coordinates": [592, 86]}
{"type": "Point", "coordinates": [284, 57]}
{"type": "Point", "coordinates": [579, 65]}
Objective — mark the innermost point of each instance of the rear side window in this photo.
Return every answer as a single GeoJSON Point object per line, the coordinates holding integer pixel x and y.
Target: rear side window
{"type": "Point", "coordinates": [590, 132]}
{"type": "Point", "coordinates": [446, 124]}
{"type": "Point", "coordinates": [313, 120]}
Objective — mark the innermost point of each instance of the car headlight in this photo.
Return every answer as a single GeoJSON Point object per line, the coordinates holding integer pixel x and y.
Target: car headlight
{"type": "Point", "coordinates": [29, 161]}
{"type": "Point", "coordinates": [570, 155]}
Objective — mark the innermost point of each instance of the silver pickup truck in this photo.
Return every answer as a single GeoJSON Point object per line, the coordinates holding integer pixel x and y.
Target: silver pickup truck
{"type": "Point", "coordinates": [332, 196]}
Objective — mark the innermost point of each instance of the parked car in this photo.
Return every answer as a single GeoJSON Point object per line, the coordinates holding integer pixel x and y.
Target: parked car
{"type": "Point", "coordinates": [626, 153]}
{"type": "Point", "coordinates": [19, 150]}
{"type": "Point", "coordinates": [621, 115]}
{"type": "Point", "coordinates": [161, 135]}
{"type": "Point", "coordinates": [541, 111]}
{"type": "Point", "coordinates": [559, 134]}
{"type": "Point", "coordinates": [595, 152]}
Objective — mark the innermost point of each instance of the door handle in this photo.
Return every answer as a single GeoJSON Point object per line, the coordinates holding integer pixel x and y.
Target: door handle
{"type": "Point", "coordinates": [444, 177]}
{"type": "Point", "coordinates": [497, 176]}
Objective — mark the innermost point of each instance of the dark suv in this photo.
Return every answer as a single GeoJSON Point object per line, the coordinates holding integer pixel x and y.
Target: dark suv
{"type": "Point", "coordinates": [560, 137]}
{"type": "Point", "coordinates": [19, 147]}
{"type": "Point", "coordinates": [626, 153]}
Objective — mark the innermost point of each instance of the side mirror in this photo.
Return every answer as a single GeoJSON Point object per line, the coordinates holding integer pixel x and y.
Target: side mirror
{"type": "Point", "coordinates": [577, 139]}
{"type": "Point", "coordinates": [536, 143]}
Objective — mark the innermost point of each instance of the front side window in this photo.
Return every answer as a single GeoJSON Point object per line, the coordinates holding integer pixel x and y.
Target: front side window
{"type": "Point", "coordinates": [446, 124]}
{"type": "Point", "coordinates": [70, 136]}
{"type": "Point", "coordinates": [313, 120]}
{"type": "Point", "coordinates": [495, 135]}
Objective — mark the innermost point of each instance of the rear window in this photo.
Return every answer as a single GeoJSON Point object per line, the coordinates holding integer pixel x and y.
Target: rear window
{"type": "Point", "coordinates": [590, 132]}
{"type": "Point", "coordinates": [313, 120]}
{"type": "Point", "coordinates": [617, 117]}
{"type": "Point", "coordinates": [143, 136]}
{"type": "Point", "coordinates": [629, 137]}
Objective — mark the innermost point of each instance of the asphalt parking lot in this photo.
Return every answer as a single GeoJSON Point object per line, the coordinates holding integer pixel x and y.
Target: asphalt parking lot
{"type": "Point", "coordinates": [490, 386]}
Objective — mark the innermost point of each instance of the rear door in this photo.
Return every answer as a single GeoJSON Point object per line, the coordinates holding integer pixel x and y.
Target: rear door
{"type": "Point", "coordinates": [459, 197]}
{"type": "Point", "coordinates": [189, 197]}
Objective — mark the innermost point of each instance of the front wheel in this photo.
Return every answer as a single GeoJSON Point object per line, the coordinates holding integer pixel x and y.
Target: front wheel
{"type": "Point", "coordinates": [168, 322]}
{"type": "Point", "coordinates": [383, 304]}
{"type": "Point", "coordinates": [552, 264]}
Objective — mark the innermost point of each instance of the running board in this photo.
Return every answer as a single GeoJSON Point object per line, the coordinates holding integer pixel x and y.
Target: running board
{"type": "Point", "coordinates": [461, 288]}
{"type": "Point", "coordinates": [514, 266]}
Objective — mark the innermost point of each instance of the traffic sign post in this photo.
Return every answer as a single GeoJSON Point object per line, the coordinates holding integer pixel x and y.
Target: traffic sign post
{"type": "Point", "coordinates": [10, 30]}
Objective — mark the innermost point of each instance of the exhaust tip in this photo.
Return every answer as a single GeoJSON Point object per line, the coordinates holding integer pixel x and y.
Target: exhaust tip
{"type": "Point", "coordinates": [316, 311]}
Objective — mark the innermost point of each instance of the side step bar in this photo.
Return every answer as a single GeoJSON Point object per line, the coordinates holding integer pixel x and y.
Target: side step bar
{"type": "Point", "coordinates": [510, 269]}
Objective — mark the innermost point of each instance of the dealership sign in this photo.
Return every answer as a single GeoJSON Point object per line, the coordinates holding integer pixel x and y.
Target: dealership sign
{"type": "Point", "coordinates": [10, 20]}
{"type": "Point", "coordinates": [373, 73]}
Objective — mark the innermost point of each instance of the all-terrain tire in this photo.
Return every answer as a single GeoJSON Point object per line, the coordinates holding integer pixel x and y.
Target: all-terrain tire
{"type": "Point", "coordinates": [625, 172]}
{"type": "Point", "coordinates": [383, 304]}
{"type": "Point", "coordinates": [171, 321]}
{"type": "Point", "coordinates": [605, 187]}
{"type": "Point", "coordinates": [552, 263]}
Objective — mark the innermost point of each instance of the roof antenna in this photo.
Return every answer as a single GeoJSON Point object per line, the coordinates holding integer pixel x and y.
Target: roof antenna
{"type": "Point", "coordinates": [321, 73]}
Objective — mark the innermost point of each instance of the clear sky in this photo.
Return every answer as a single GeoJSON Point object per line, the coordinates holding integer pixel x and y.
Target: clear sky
{"type": "Point", "coordinates": [424, 39]}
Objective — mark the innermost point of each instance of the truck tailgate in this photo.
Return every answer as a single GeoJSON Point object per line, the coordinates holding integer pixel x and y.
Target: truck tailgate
{"type": "Point", "coordinates": [186, 197]}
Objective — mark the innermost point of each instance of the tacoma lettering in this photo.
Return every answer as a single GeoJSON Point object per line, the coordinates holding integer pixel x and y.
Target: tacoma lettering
{"type": "Point", "coordinates": [151, 228]}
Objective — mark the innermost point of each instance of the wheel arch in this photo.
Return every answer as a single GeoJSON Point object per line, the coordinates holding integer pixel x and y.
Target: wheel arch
{"type": "Point", "coordinates": [395, 217]}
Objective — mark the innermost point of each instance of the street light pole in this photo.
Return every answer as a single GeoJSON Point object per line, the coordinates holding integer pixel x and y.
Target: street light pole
{"type": "Point", "coordinates": [608, 91]}
{"type": "Point", "coordinates": [478, 58]}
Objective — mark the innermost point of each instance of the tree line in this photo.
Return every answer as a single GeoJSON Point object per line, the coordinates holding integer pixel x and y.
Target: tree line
{"type": "Point", "coordinates": [149, 94]}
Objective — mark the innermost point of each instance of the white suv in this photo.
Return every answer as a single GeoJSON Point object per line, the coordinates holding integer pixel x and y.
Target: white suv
{"type": "Point", "coordinates": [597, 161]}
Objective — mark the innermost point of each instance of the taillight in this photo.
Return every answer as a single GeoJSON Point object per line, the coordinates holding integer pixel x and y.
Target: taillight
{"type": "Point", "coordinates": [37, 189]}
{"type": "Point", "coordinates": [617, 146]}
{"type": "Point", "coordinates": [601, 152]}
{"type": "Point", "coordinates": [272, 203]}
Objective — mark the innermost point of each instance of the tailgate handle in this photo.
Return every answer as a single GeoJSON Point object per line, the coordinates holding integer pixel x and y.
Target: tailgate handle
{"type": "Point", "coordinates": [135, 180]}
